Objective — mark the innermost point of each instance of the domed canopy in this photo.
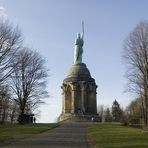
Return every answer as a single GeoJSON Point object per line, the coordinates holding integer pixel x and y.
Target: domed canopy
{"type": "Point", "coordinates": [79, 72]}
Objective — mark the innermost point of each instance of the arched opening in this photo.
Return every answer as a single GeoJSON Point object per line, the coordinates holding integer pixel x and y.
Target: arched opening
{"type": "Point", "coordinates": [68, 100]}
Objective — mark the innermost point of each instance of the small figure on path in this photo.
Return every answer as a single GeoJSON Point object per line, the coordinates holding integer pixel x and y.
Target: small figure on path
{"type": "Point", "coordinates": [34, 120]}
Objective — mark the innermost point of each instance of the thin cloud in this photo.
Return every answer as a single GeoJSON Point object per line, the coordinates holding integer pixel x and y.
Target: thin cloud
{"type": "Point", "coordinates": [3, 13]}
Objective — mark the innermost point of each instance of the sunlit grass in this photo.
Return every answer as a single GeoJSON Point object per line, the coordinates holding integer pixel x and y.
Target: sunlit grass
{"type": "Point", "coordinates": [117, 136]}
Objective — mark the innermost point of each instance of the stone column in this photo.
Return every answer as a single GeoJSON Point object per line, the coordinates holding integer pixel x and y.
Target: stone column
{"type": "Point", "coordinates": [95, 92]}
{"type": "Point", "coordinates": [73, 98]}
{"type": "Point", "coordinates": [83, 96]}
{"type": "Point", "coordinates": [94, 98]}
{"type": "Point", "coordinates": [63, 99]}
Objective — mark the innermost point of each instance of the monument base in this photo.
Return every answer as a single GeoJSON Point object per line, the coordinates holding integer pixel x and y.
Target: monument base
{"type": "Point", "coordinates": [79, 118]}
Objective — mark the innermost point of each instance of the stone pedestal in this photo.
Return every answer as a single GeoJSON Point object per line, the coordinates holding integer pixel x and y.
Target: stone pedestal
{"type": "Point", "coordinates": [78, 95]}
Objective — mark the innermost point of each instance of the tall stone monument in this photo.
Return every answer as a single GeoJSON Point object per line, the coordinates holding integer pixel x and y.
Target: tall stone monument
{"type": "Point", "coordinates": [78, 89]}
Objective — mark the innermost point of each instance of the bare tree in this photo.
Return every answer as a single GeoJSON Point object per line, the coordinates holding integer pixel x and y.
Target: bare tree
{"type": "Point", "coordinates": [136, 58]}
{"type": "Point", "coordinates": [101, 111]}
{"type": "Point", "coordinates": [10, 42]}
{"type": "Point", "coordinates": [5, 98]}
{"type": "Point", "coordinates": [135, 111]}
{"type": "Point", "coordinates": [13, 111]}
{"type": "Point", "coordinates": [28, 80]}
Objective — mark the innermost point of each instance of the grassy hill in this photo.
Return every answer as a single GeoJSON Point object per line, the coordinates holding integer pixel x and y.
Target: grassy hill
{"type": "Point", "coordinates": [116, 136]}
{"type": "Point", "coordinates": [10, 132]}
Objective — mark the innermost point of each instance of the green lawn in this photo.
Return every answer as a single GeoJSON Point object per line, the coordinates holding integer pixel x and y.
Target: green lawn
{"type": "Point", "coordinates": [116, 136]}
{"type": "Point", "coordinates": [11, 132]}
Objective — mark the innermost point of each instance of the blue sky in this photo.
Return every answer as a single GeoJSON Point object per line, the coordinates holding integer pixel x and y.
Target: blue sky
{"type": "Point", "coordinates": [50, 27]}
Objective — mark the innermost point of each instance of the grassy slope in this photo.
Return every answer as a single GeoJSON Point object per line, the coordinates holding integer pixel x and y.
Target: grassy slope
{"type": "Point", "coordinates": [13, 131]}
{"type": "Point", "coordinates": [117, 136]}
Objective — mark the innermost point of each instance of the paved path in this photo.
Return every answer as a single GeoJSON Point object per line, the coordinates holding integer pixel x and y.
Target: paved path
{"type": "Point", "coordinates": [68, 135]}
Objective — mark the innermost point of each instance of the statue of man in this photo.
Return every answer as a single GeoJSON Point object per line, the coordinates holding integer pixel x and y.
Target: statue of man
{"type": "Point", "coordinates": [78, 51]}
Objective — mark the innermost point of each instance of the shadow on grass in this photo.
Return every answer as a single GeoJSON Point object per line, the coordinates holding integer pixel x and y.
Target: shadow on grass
{"type": "Point", "coordinates": [15, 132]}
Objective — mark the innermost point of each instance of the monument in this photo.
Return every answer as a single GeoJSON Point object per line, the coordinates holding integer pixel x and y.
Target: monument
{"type": "Point", "coordinates": [78, 89]}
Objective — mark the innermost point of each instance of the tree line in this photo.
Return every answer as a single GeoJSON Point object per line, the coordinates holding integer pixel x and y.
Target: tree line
{"type": "Point", "coordinates": [22, 75]}
{"type": "Point", "coordinates": [130, 115]}
{"type": "Point", "coordinates": [113, 114]}
{"type": "Point", "coordinates": [135, 56]}
{"type": "Point", "coordinates": [136, 59]}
